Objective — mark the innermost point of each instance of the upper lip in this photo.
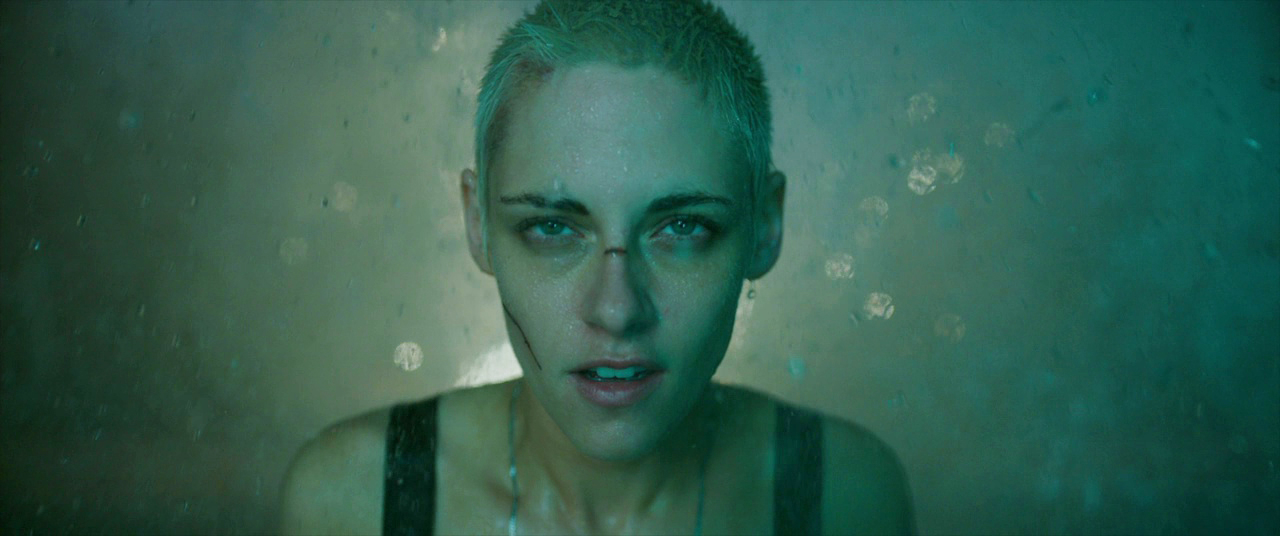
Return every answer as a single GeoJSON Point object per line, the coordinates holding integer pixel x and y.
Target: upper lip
{"type": "Point", "coordinates": [619, 363]}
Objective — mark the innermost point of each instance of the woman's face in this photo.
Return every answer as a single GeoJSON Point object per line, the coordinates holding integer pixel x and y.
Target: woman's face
{"type": "Point", "coordinates": [584, 159]}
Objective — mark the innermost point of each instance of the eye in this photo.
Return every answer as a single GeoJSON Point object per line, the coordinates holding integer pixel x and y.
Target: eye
{"type": "Point", "coordinates": [550, 229]}
{"type": "Point", "coordinates": [684, 227]}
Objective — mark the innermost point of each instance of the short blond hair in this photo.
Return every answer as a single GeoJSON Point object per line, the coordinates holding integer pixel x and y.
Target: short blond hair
{"type": "Point", "coordinates": [691, 39]}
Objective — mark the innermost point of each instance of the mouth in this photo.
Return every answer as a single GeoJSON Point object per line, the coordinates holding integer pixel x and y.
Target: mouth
{"type": "Point", "coordinates": [617, 371]}
{"type": "Point", "coordinates": [616, 392]}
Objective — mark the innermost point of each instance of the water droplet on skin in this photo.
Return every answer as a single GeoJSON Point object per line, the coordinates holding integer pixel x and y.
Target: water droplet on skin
{"type": "Point", "coordinates": [751, 294]}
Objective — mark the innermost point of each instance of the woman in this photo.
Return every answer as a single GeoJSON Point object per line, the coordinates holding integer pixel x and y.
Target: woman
{"type": "Point", "coordinates": [624, 192]}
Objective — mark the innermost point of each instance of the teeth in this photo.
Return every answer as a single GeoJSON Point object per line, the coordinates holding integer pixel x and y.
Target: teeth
{"type": "Point", "coordinates": [609, 373]}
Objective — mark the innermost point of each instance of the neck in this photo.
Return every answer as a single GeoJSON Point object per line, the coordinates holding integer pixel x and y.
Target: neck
{"type": "Point", "coordinates": [559, 483]}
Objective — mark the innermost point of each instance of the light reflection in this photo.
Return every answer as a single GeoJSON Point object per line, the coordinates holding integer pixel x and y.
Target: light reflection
{"type": "Point", "coordinates": [497, 364]}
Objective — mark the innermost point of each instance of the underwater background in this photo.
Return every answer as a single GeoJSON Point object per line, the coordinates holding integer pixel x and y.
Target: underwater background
{"type": "Point", "coordinates": [1034, 246]}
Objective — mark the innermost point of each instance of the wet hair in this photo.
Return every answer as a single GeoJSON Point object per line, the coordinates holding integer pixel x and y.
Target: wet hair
{"type": "Point", "coordinates": [691, 39]}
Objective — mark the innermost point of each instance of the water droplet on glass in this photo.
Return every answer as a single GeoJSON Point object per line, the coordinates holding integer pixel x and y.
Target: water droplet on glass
{"type": "Point", "coordinates": [878, 305]}
{"type": "Point", "coordinates": [293, 250]}
{"type": "Point", "coordinates": [998, 135]}
{"type": "Point", "coordinates": [80, 221]}
{"type": "Point", "coordinates": [35, 244]}
{"type": "Point", "coordinates": [441, 38]}
{"type": "Point", "coordinates": [920, 107]}
{"type": "Point", "coordinates": [949, 326]}
{"type": "Point", "coordinates": [343, 196]}
{"type": "Point", "coordinates": [128, 119]}
{"type": "Point", "coordinates": [796, 366]}
{"type": "Point", "coordinates": [142, 310]}
{"type": "Point", "coordinates": [840, 266]}
{"type": "Point", "coordinates": [874, 210]}
{"type": "Point", "coordinates": [408, 356]}
{"type": "Point", "coordinates": [146, 200]}
{"type": "Point", "coordinates": [921, 179]}
{"type": "Point", "coordinates": [1096, 95]}
{"type": "Point", "coordinates": [1238, 444]}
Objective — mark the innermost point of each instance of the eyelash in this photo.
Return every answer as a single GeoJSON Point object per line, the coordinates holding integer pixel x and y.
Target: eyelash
{"type": "Point", "coordinates": [712, 228]}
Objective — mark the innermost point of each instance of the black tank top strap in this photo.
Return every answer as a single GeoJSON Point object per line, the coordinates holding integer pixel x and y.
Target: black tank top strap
{"type": "Point", "coordinates": [797, 488]}
{"type": "Point", "coordinates": [408, 505]}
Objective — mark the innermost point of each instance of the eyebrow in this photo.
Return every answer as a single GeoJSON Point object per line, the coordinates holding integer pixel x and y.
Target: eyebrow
{"type": "Point", "coordinates": [661, 204]}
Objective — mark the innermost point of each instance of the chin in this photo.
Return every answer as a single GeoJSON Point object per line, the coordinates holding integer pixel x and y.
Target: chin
{"type": "Point", "coordinates": [612, 447]}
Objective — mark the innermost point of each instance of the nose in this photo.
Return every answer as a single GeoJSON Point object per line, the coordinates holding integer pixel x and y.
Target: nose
{"type": "Point", "coordinates": [618, 303]}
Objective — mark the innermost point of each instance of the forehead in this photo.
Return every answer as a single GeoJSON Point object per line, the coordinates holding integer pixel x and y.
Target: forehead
{"type": "Point", "coordinates": [604, 133]}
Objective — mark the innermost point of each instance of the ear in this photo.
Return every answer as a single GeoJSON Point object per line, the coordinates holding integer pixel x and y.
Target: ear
{"type": "Point", "coordinates": [768, 226]}
{"type": "Point", "coordinates": [473, 221]}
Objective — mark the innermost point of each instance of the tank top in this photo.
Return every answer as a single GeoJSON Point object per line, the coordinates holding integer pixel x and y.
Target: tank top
{"type": "Point", "coordinates": [408, 506]}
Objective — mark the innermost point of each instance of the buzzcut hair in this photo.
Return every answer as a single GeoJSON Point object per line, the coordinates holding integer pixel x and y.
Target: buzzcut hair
{"type": "Point", "coordinates": [691, 39]}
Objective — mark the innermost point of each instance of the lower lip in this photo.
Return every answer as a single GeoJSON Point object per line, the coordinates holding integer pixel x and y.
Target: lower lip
{"type": "Point", "coordinates": [617, 394]}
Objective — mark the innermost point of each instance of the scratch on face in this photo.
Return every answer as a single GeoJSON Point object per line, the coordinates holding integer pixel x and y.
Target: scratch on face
{"type": "Point", "coordinates": [522, 335]}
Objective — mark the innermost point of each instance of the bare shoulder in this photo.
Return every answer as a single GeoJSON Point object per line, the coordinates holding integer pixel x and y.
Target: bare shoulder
{"type": "Point", "coordinates": [865, 488]}
{"type": "Point", "coordinates": [334, 483]}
